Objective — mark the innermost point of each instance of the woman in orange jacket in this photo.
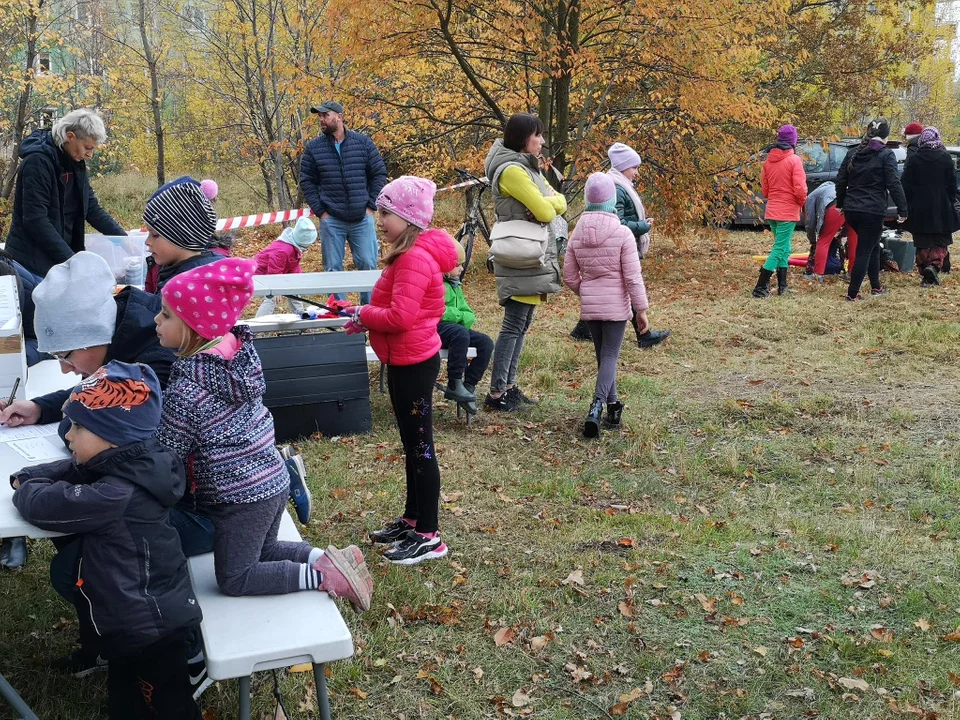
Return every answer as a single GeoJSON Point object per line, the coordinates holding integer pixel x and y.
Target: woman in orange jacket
{"type": "Point", "coordinates": [784, 185]}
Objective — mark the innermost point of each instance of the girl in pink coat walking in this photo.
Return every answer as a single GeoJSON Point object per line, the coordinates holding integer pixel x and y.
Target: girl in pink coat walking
{"type": "Point", "coordinates": [603, 267]}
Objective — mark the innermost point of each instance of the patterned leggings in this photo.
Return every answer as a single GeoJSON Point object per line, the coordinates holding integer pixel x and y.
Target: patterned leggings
{"type": "Point", "coordinates": [411, 394]}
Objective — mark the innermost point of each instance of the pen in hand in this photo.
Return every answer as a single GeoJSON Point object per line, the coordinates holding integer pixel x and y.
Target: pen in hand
{"type": "Point", "coordinates": [13, 393]}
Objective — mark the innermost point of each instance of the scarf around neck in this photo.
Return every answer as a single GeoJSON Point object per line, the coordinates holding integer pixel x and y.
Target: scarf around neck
{"type": "Point", "coordinates": [620, 179]}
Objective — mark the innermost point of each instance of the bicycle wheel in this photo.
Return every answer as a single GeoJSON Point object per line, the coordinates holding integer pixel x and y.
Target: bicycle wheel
{"type": "Point", "coordinates": [465, 236]}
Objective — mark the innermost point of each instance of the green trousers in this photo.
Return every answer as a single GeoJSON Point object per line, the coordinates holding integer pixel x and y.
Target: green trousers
{"type": "Point", "coordinates": [782, 244]}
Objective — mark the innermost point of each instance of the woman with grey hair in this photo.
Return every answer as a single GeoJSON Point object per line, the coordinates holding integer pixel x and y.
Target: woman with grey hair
{"type": "Point", "coordinates": [54, 200]}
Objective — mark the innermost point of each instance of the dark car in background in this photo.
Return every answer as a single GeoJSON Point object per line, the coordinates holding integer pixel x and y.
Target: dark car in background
{"type": "Point", "coordinates": [821, 162]}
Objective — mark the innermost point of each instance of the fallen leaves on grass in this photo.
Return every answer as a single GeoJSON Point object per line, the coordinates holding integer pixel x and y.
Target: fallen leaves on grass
{"type": "Point", "coordinates": [853, 684]}
{"type": "Point", "coordinates": [628, 698]}
{"type": "Point", "coordinates": [881, 633]}
{"type": "Point", "coordinates": [504, 636]}
{"type": "Point", "coordinates": [574, 578]}
{"type": "Point", "coordinates": [578, 673]}
{"type": "Point", "coordinates": [923, 625]}
{"type": "Point", "coordinates": [863, 580]}
{"type": "Point", "coordinates": [953, 636]}
{"type": "Point", "coordinates": [708, 604]}
{"type": "Point", "coordinates": [520, 698]}
{"type": "Point", "coordinates": [540, 641]}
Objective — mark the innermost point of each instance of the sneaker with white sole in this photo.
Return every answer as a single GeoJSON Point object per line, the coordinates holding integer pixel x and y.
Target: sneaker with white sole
{"type": "Point", "coordinates": [299, 492]}
{"type": "Point", "coordinates": [414, 547]}
{"type": "Point", "coordinates": [391, 532]}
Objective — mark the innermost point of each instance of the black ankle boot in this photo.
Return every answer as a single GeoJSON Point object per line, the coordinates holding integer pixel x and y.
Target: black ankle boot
{"type": "Point", "coordinates": [762, 289]}
{"type": "Point", "coordinates": [782, 288]}
{"type": "Point", "coordinates": [581, 331]}
{"type": "Point", "coordinates": [614, 413]}
{"type": "Point", "coordinates": [591, 426]}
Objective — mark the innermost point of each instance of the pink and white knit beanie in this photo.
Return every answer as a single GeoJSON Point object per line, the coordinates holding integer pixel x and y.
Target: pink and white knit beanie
{"type": "Point", "coordinates": [411, 198]}
{"type": "Point", "coordinates": [211, 298]}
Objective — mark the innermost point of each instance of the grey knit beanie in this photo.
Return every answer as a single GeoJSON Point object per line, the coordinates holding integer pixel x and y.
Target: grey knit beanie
{"type": "Point", "coordinates": [75, 305]}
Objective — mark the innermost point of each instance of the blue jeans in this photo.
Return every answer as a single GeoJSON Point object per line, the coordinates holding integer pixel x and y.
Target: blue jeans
{"type": "Point", "coordinates": [364, 246]}
{"type": "Point", "coordinates": [196, 531]}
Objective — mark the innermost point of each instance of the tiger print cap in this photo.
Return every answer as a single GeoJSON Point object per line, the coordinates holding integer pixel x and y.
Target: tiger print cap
{"type": "Point", "coordinates": [120, 402]}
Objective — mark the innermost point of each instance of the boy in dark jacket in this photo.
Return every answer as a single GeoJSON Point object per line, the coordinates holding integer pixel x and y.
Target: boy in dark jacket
{"type": "Point", "coordinates": [181, 224]}
{"type": "Point", "coordinates": [456, 336]}
{"type": "Point", "coordinates": [133, 594]}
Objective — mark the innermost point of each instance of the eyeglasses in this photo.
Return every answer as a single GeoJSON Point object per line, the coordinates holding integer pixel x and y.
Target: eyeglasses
{"type": "Point", "coordinates": [65, 356]}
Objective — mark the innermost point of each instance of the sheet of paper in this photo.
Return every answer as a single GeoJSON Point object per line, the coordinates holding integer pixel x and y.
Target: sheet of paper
{"type": "Point", "coordinates": [36, 450]}
{"type": "Point", "coordinates": [26, 432]}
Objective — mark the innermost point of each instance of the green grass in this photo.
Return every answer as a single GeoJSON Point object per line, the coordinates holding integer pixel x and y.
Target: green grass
{"type": "Point", "coordinates": [771, 451]}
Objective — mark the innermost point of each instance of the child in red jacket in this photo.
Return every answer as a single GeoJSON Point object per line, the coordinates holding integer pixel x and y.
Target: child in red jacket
{"type": "Point", "coordinates": [405, 307]}
{"type": "Point", "coordinates": [282, 257]}
{"type": "Point", "coordinates": [784, 184]}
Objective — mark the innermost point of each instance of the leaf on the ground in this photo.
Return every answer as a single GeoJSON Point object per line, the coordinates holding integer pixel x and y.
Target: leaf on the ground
{"type": "Point", "coordinates": [881, 633]}
{"type": "Point", "coordinates": [626, 700]}
{"type": "Point", "coordinates": [863, 580]}
{"type": "Point", "coordinates": [540, 641]}
{"type": "Point", "coordinates": [954, 678]}
{"type": "Point", "coordinates": [802, 693]}
{"type": "Point", "coordinates": [209, 714]}
{"type": "Point", "coordinates": [885, 601]}
{"type": "Point", "coordinates": [656, 602]}
{"type": "Point", "coordinates": [578, 672]}
{"type": "Point", "coordinates": [885, 653]}
{"type": "Point", "coordinates": [626, 608]}
{"type": "Point", "coordinates": [520, 698]}
{"type": "Point", "coordinates": [358, 693]}
{"type": "Point", "coordinates": [625, 542]}
{"type": "Point", "coordinates": [574, 578]}
{"type": "Point", "coordinates": [953, 636]}
{"type": "Point", "coordinates": [922, 624]}
{"type": "Point", "coordinates": [396, 679]}
{"type": "Point", "coordinates": [854, 684]}
{"type": "Point", "coordinates": [761, 651]}
{"type": "Point", "coordinates": [477, 674]}
{"type": "Point", "coordinates": [708, 604]}
{"type": "Point", "coordinates": [504, 636]}
{"type": "Point", "coordinates": [435, 687]}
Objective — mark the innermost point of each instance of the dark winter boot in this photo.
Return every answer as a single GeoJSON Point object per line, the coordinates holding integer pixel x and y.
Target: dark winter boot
{"type": "Point", "coordinates": [930, 276]}
{"type": "Point", "coordinates": [458, 392]}
{"type": "Point", "coordinates": [762, 289]}
{"type": "Point", "coordinates": [614, 413]}
{"type": "Point", "coordinates": [591, 426]}
{"type": "Point", "coordinates": [581, 331]}
{"type": "Point", "coordinates": [782, 288]}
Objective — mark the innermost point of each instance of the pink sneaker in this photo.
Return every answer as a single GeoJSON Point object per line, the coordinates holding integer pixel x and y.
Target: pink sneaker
{"type": "Point", "coordinates": [343, 577]}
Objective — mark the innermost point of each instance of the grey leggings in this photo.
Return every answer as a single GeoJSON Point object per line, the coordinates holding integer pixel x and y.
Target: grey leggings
{"type": "Point", "coordinates": [247, 557]}
{"type": "Point", "coordinates": [607, 340]}
{"type": "Point", "coordinates": [517, 318]}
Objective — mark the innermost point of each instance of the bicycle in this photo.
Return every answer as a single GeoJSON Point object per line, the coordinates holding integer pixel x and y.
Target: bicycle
{"type": "Point", "coordinates": [473, 220]}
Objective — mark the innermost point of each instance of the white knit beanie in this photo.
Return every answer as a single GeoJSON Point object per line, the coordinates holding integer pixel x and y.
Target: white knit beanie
{"type": "Point", "coordinates": [75, 305]}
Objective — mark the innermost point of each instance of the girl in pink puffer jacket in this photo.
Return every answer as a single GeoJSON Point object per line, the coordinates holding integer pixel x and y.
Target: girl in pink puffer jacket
{"type": "Point", "coordinates": [603, 267]}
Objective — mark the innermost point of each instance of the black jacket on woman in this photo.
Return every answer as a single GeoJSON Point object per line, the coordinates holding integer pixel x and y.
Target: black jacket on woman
{"type": "Point", "coordinates": [864, 178]}
{"type": "Point", "coordinates": [52, 205]}
{"type": "Point", "coordinates": [930, 184]}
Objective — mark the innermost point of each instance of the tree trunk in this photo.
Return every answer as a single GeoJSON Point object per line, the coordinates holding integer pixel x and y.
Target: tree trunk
{"type": "Point", "coordinates": [155, 99]}
{"type": "Point", "coordinates": [23, 102]}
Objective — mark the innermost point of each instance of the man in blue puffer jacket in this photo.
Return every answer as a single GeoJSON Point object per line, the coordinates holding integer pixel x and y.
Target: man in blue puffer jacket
{"type": "Point", "coordinates": [341, 174]}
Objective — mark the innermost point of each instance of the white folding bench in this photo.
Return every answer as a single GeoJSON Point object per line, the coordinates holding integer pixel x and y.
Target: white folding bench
{"type": "Point", "coordinates": [243, 635]}
{"type": "Point", "coordinates": [372, 357]}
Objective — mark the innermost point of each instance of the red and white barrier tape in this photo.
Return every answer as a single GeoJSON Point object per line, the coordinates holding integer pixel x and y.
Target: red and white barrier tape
{"type": "Point", "coordinates": [245, 221]}
{"type": "Point", "coordinates": [248, 221]}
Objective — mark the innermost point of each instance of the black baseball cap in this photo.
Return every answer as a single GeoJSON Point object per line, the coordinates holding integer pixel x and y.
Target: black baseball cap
{"type": "Point", "coordinates": [328, 106]}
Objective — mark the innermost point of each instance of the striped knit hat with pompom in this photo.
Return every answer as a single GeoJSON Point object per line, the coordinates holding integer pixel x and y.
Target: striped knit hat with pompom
{"type": "Point", "coordinates": [181, 213]}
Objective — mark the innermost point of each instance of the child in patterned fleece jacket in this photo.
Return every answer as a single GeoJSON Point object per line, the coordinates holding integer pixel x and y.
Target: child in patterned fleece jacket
{"type": "Point", "coordinates": [214, 418]}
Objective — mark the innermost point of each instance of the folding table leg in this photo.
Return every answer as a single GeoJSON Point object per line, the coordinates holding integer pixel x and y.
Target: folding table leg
{"type": "Point", "coordinates": [321, 680]}
{"type": "Point", "coordinates": [245, 698]}
{"type": "Point", "coordinates": [383, 378]}
{"type": "Point", "coordinates": [16, 702]}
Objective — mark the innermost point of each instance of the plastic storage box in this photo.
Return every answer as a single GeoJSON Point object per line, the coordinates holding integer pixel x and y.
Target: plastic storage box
{"type": "Point", "coordinates": [126, 255]}
{"type": "Point", "coordinates": [902, 249]}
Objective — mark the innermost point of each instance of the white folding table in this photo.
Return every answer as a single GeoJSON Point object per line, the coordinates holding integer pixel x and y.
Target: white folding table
{"type": "Point", "coordinates": [315, 283]}
{"type": "Point", "coordinates": [42, 378]}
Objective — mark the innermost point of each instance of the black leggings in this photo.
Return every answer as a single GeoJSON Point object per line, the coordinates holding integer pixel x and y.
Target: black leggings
{"type": "Point", "coordinates": [152, 684]}
{"type": "Point", "coordinates": [868, 227]}
{"type": "Point", "coordinates": [411, 394]}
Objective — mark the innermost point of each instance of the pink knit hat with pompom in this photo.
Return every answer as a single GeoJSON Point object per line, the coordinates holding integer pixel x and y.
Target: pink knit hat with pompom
{"type": "Point", "coordinates": [211, 298]}
{"type": "Point", "coordinates": [411, 198]}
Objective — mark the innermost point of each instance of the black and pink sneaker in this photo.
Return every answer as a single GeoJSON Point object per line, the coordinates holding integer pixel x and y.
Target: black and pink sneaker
{"type": "Point", "coordinates": [391, 532]}
{"type": "Point", "coordinates": [414, 548]}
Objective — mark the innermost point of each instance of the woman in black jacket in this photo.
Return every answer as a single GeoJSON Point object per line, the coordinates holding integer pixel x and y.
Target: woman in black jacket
{"type": "Point", "coordinates": [868, 172]}
{"type": "Point", "coordinates": [930, 184]}
{"type": "Point", "coordinates": [54, 200]}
